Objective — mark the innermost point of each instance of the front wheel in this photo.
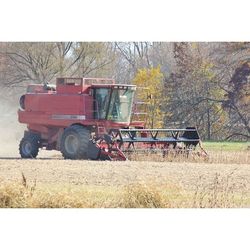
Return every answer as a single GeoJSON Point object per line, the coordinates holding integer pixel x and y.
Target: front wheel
{"type": "Point", "coordinates": [29, 146]}
{"type": "Point", "coordinates": [74, 142]}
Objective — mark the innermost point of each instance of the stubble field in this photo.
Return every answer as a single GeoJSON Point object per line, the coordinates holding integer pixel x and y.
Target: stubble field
{"type": "Point", "coordinates": [222, 180]}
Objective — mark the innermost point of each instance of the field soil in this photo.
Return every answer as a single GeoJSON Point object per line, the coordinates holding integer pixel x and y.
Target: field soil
{"type": "Point", "coordinates": [104, 173]}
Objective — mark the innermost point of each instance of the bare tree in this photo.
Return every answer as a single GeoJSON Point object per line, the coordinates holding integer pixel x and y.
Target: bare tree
{"type": "Point", "coordinates": [43, 62]}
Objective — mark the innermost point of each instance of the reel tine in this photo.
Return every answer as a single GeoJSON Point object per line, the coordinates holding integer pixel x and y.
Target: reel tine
{"type": "Point", "coordinates": [155, 140]}
{"type": "Point", "coordinates": [190, 136]}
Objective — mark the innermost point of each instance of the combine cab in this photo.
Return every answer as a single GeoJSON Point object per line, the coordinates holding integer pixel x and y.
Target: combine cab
{"type": "Point", "coordinates": [90, 118]}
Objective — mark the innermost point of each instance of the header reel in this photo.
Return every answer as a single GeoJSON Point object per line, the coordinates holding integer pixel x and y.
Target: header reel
{"type": "Point", "coordinates": [120, 143]}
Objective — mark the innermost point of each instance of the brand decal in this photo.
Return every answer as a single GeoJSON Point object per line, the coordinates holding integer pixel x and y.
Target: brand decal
{"type": "Point", "coordinates": [68, 117]}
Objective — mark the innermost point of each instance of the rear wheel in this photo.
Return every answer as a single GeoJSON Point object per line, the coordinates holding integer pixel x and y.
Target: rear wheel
{"type": "Point", "coordinates": [29, 146]}
{"type": "Point", "coordinates": [74, 142]}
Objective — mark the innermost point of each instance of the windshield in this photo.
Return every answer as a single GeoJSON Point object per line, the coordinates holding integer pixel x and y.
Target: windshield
{"type": "Point", "coordinates": [102, 96]}
{"type": "Point", "coordinates": [121, 105]}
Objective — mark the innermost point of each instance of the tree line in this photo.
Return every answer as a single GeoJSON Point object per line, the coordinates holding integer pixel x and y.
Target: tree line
{"type": "Point", "coordinates": [206, 85]}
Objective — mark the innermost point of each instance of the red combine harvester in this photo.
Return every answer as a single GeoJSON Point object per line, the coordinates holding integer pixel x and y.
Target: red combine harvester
{"type": "Point", "coordinates": [91, 118]}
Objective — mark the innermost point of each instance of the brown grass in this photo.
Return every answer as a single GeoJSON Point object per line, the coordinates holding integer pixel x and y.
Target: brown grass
{"type": "Point", "coordinates": [222, 191]}
{"type": "Point", "coordinates": [219, 192]}
{"type": "Point", "coordinates": [142, 195]}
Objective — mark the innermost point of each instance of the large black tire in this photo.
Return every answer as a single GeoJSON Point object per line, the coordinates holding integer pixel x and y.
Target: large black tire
{"type": "Point", "coordinates": [29, 146]}
{"type": "Point", "coordinates": [74, 142]}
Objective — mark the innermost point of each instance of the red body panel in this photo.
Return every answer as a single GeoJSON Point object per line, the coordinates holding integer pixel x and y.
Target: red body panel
{"type": "Point", "coordinates": [49, 111]}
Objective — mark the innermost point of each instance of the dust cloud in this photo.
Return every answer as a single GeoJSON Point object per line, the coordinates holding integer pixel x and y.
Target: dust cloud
{"type": "Point", "coordinates": [11, 131]}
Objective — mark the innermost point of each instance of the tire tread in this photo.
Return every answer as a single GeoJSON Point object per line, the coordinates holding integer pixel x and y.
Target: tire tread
{"type": "Point", "coordinates": [83, 135]}
{"type": "Point", "coordinates": [34, 140]}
